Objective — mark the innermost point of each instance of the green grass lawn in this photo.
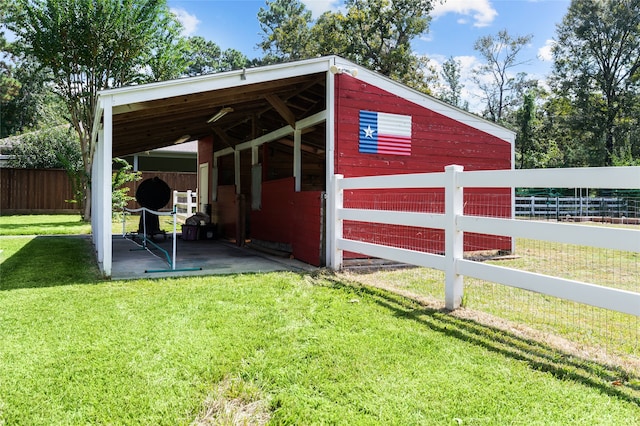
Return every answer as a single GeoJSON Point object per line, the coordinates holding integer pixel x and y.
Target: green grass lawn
{"type": "Point", "coordinates": [66, 224]}
{"type": "Point", "coordinates": [285, 348]}
{"type": "Point", "coordinates": [601, 330]}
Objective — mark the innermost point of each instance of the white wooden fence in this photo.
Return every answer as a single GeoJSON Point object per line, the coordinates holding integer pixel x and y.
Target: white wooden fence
{"type": "Point", "coordinates": [559, 207]}
{"type": "Point", "coordinates": [455, 223]}
{"type": "Point", "coordinates": [185, 203]}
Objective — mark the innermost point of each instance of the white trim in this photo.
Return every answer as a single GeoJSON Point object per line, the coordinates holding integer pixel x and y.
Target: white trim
{"type": "Point", "coordinates": [331, 195]}
{"type": "Point", "coordinates": [428, 102]}
{"type": "Point", "coordinates": [104, 178]}
{"type": "Point", "coordinates": [207, 83]}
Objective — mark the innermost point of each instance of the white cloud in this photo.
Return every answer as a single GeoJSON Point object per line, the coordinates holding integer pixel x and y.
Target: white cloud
{"type": "Point", "coordinates": [189, 22]}
{"type": "Point", "coordinates": [318, 7]}
{"type": "Point", "coordinates": [481, 11]}
{"type": "Point", "coordinates": [544, 53]}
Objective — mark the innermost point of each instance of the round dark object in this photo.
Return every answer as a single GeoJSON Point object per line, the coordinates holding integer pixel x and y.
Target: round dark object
{"type": "Point", "coordinates": [153, 193]}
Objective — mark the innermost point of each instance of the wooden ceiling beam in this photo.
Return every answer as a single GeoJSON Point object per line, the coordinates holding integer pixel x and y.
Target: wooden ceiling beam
{"type": "Point", "coordinates": [282, 109]}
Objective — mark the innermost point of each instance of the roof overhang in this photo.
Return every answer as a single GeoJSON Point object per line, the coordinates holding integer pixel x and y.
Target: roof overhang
{"type": "Point", "coordinates": [260, 100]}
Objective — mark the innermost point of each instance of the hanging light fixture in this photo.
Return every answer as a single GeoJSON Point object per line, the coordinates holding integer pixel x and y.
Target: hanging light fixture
{"type": "Point", "coordinates": [182, 139]}
{"type": "Point", "coordinates": [218, 115]}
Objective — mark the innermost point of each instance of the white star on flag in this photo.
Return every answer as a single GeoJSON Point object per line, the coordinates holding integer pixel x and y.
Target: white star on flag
{"type": "Point", "coordinates": [368, 132]}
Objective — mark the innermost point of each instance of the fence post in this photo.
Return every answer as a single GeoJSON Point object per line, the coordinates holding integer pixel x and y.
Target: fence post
{"type": "Point", "coordinates": [336, 256]}
{"type": "Point", "coordinates": [189, 201]}
{"type": "Point", "coordinates": [453, 246]}
{"type": "Point", "coordinates": [175, 199]}
{"type": "Point", "coordinates": [533, 207]}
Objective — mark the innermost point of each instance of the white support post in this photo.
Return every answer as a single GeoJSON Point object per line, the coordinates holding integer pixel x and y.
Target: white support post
{"type": "Point", "coordinates": [96, 231]}
{"type": "Point", "coordinates": [454, 207]}
{"type": "Point", "coordinates": [330, 195]}
{"type": "Point", "coordinates": [297, 159]}
{"type": "Point", "coordinates": [334, 228]}
{"type": "Point", "coordinates": [105, 202]}
{"type": "Point", "coordinates": [174, 241]}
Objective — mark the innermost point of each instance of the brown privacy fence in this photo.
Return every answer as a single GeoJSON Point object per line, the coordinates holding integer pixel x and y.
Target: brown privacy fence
{"type": "Point", "coordinates": [37, 191]}
{"type": "Point", "coordinates": [32, 191]}
{"type": "Point", "coordinates": [177, 181]}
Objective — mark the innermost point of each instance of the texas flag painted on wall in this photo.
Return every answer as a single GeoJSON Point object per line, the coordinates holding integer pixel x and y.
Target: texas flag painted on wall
{"type": "Point", "coordinates": [384, 133]}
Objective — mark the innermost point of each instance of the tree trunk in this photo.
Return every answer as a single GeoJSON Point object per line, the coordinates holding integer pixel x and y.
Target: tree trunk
{"type": "Point", "coordinates": [87, 204]}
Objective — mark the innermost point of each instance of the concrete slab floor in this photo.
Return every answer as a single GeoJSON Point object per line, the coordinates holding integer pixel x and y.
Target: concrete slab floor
{"type": "Point", "coordinates": [202, 257]}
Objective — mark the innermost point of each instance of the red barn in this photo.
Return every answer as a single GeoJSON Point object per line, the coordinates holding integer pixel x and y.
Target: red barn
{"type": "Point", "coordinates": [272, 138]}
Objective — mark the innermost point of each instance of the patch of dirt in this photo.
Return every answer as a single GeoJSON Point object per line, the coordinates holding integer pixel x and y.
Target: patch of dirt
{"type": "Point", "coordinates": [234, 402]}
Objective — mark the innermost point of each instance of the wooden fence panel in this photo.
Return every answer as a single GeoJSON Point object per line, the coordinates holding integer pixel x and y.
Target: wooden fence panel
{"type": "Point", "coordinates": [177, 181]}
{"type": "Point", "coordinates": [38, 191]}
{"type": "Point", "coordinates": [35, 191]}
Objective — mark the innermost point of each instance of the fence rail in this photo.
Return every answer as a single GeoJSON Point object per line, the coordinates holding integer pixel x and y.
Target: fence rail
{"type": "Point", "coordinates": [577, 207]}
{"type": "Point", "coordinates": [185, 203]}
{"type": "Point", "coordinates": [454, 180]}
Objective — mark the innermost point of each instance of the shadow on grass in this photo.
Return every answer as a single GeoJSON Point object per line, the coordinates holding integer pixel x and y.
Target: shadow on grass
{"type": "Point", "coordinates": [608, 379]}
{"type": "Point", "coordinates": [48, 261]}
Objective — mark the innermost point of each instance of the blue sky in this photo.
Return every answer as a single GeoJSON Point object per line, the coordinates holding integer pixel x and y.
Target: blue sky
{"type": "Point", "coordinates": [456, 25]}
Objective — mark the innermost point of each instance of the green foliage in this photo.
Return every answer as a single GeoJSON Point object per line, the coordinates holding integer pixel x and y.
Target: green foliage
{"type": "Point", "coordinates": [52, 148]}
{"type": "Point", "coordinates": [376, 34]}
{"type": "Point", "coordinates": [9, 86]}
{"type": "Point", "coordinates": [596, 67]}
{"type": "Point", "coordinates": [286, 31]}
{"type": "Point", "coordinates": [206, 57]}
{"type": "Point", "coordinates": [167, 51]}
{"type": "Point", "coordinates": [451, 92]}
{"type": "Point", "coordinates": [124, 174]}
{"type": "Point", "coordinates": [525, 139]}
{"type": "Point", "coordinates": [91, 45]}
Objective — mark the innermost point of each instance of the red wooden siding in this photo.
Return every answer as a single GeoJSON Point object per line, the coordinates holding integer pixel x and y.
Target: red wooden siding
{"type": "Point", "coordinates": [273, 222]}
{"type": "Point", "coordinates": [436, 141]}
{"type": "Point", "coordinates": [290, 217]}
{"type": "Point", "coordinates": [224, 211]}
{"type": "Point", "coordinates": [307, 227]}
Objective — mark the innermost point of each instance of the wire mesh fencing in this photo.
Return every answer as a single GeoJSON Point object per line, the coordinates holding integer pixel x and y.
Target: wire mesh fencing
{"type": "Point", "coordinates": [593, 331]}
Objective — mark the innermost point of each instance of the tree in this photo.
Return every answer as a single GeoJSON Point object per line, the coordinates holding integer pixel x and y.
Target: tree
{"type": "Point", "coordinates": [597, 67]}
{"type": "Point", "coordinates": [50, 148]}
{"type": "Point", "coordinates": [381, 32]}
{"type": "Point", "coordinates": [525, 139]}
{"type": "Point", "coordinates": [91, 45]}
{"type": "Point", "coordinates": [452, 90]}
{"type": "Point", "coordinates": [206, 57]}
{"type": "Point", "coordinates": [376, 34]}
{"type": "Point", "coordinates": [501, 89]}
{"type": "Point", "coordinates": [286, 31]}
